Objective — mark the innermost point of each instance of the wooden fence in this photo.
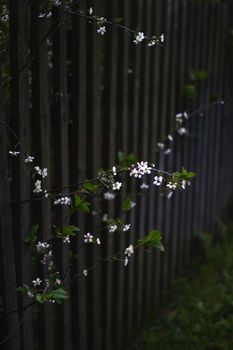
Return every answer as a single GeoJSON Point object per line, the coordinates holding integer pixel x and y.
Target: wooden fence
{"type": "Point", "coordinates": [74, 99]}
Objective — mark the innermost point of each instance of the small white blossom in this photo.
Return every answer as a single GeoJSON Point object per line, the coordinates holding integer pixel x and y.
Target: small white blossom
{"type": "Point", "coordinates": [112, 228]}
{"type": "Point", "coordinates": [90, 11]}
{"type": "Point", "coordinates": [185, 114]}
{"type": "Point", "coordinates": [85, 272]}
{"type": "Point", "coordinates": [88, 238]}
{"type": "Point", "coordinates": [182, 131]}
{"type": "Point", "coordinates": [14, 153]}
{"type": "Point", "coordinates": [169, 195]}
{"type": "Point", "coordinates": [222, 102]}
{"type": "Point", "coordinates": [66, 239]}
{"type": "Point", "coordinates": [139, 38]}
{"type": "Point", "coordinates": [109, 196]}
{"type": "Point", "coordinates": [126, 261]}
{"type": "Point", "coordinates": [101, 30]}
{"type": "Point", "coordinates": [170, 138]}
{"type": "Point", "coordinates": [98, 241]}
{"type": "Point", "coordinates": [29, 159]}
{"type": "Point", "coordinates": [126, 227]}
{"type": "Point", "coordinates": [56, 2]}
{"type": "Point", "coordinates": [57, 281]}
{"type": "Point", "coordinates": [168, 151]}
{"type": "Point", "coordinates": [133, 204]}
{"type": "Point", "coordinates": [46, 194]}
{"type": "Point", "coordinates": [140, 169]}
{"type": "Point", "coordinates": [42, 172]}
{"type": "Point", "coordinates": [40, 246]}
{"type": "Point", "coordinates": [179, 116]}
{"type": "Point", "coordinates": [160, 145]}
{"type": "Point", "coordinates": [144, 186]}
{"type": "Point", "coordinates": [129, 251]}
{"type": "Point", "coordinates": [116, 186]}
{"type": "Point", "coordinates": [158, 180]}
{"type": "Point", "coordinates": [172, 185]}
{"type": "Point", "coordinates": [37, 282]}
{"type": "Point", "coordinates": [37, 188]}
{"type": "Point", "coordinates": [114, 170]}
{"type": "Point", "coordinates": [162, 38]}
{"type": "Point", "coordinates": [151, 43]}
{"type": "Point", "coordinates": [105, 218]}
{"type": "Point", "coordinates": [63, 200]}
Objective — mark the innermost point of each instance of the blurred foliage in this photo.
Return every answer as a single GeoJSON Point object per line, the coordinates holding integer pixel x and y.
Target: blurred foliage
{"type": "Point", "coordinates": [199, 311]}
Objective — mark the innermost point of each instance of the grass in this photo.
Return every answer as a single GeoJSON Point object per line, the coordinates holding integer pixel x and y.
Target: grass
{"type": "Point", "coordinates": [199, 315]}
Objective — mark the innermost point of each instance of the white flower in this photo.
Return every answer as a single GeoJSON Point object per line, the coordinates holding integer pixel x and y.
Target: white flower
{"type": "Point", "coordinates": [116, 186]}
{"type": "Point", "coordinates": [62, 200]}
{"type": "Point", "coordinates": [66, 239]}
{"type": "Point", "coordinates": [151, 43]}
{"type": "Point", "coordinates": [46, 194]}
{"type": "Point", "coordinates": [126, 227]}
{"type": "Point", "coordinates": [185, 115]}
{"type": "Point", "coordinates": [85, 272]}
{"type": "Point", "coordinates": [182, 131]}
{"type": "Point", "coordinates": [38, 188]}
{"type": "Point", "coordinates": [40, 246]}
{"type": "Point", "coordinates": [126, 261]}
{"type": "Point", "coordinates": [172, 185]}
{"type": "Point", "coordinates": [162, 38]}
{"type": "Point", "coordinates": [158, 180]}
{"type": "Point", "coordinates": [139, 37]}
{"type": "Point", "coordinates": [90, 11]}
{"type": "Point", "coordinates": [88, 238]}
{"type": "Point", "coordinates": [14, 153]}
{"type": "Point", "coordinates": [170, 138]}
{"type": "Point", "coordinates": [179, 116]}
{"type": "Point", "coordinates": [160, 145]}
{"type": "Point", "coordinates": [58, 281]}
{"type": "Point", "coordinates": [37, 282]}
{"type": "Point", "coordinates": [101, 30]}
{"type": "Point", "coordinates": [169, 195]}
{"type": "Point", "coordinates": [105, 218]}
{"type": "Point", "coordinates": [129, 251]}
{"type": "Point", "coordinates": [98, 241]}
{"type": "Point", "coordinates": [29, 159]}
{"type": "Point", "coordinates": [112, 228]}
{"type": "Point", "coordinates": [168, 151]}
{"type": "Point", "coordinates": [140, 169]}
{"type": "Point", "coordinates": [56, 2]}
{"type": "Point", "coordinates": [41, 172]}
{"type": "Point", "coordinates": [133, 204]}
{"type": "Point", "coordinates": [109, 196]}
{"type": "Point", "coordinates": [144, 186]}
{"type": "Point", "coordinates": [114, 170]}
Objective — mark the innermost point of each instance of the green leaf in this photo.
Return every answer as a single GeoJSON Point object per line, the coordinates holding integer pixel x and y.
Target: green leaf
{"type": "Point", "coordinates": [201, 75]}
{"type": "Point", "coordinates": [70, 230]}
{"type": "Point", "coordinates": [80, 205]}
{"type": "Point", "coordinates": [31, 238]}
{"type": "Point", "coordinates": [153, 239]}
{"type": "Point", "coordinates": [118, 20]}
{"type": "Point", "coordinates": [58, 293]}
{"type": "Point", "coordinates": [185, 175]}
{"type": "Point", "coordinates": [127, 204]}
{"type": "Point", "coordinates": [91, 187]}
{"type": "Point", "coordinates": [41, 298]}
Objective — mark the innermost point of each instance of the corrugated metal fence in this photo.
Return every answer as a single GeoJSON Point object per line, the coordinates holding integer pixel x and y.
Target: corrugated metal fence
{"type": "Point", "coordinates": [74, 99]}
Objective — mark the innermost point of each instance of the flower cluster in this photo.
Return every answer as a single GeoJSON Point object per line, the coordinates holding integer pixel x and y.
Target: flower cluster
{"type": "Point", "coordinates": [128, 252]}
{"type": "Point", "coordinates": [42, 172]}
{"type": "Point", "coordinates": [140, 169]}
{"type": "Point", "coordinates": [62, 201]}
